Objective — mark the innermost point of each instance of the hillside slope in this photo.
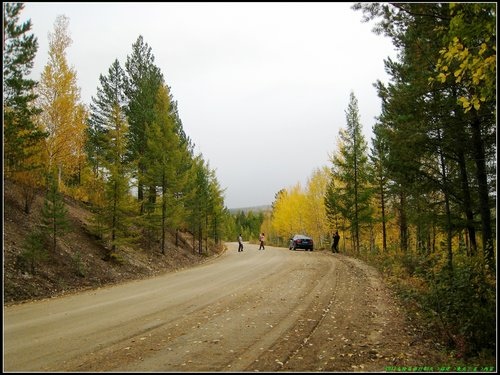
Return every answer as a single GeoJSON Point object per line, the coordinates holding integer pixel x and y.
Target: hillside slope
{"type": "Point", "coordinates": [78, 261]}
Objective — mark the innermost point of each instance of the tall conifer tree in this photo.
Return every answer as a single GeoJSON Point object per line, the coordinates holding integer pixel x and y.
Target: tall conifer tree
{"type": "Point", "coordinates": [163, 158]}
{"type": "Point", "coordinates": [20, 130]}
{"type": "Point", "coordinates": [23, 139]}
{"type": "Point", "coordinates": [144, 79]}
{"type": "Point", "coordinates": [350, 166]}
{"type": "Point", "coordinates": [109, 124]}
{"type": "Point", "coordinates": [441, 114]}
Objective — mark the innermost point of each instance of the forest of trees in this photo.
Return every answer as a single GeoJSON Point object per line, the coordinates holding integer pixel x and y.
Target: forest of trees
{"type": "Point", "coordinates": [126, 155]}
{"type": "Point", "coordinates": [421, 202]}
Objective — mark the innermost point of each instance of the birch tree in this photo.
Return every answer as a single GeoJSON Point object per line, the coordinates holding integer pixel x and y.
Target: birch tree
{"type": "Point", "coordinates": [63, 116]}
{"type": "Point", "coordinates": [315, 205]}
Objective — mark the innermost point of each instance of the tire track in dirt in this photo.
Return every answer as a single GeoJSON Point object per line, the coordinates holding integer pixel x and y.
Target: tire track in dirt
{"type": "Point", "coordinates": [355, 325]}
{"type": "Point", "coordinates": [295, 344]}
{"type": "Point", "coordinates": [281, 343]}
{"type": "Point", "coordinates": [272, 310]}
{"type": "Point", "coordinates": [244, 324]}
{"type": "Point", "coordinates": [226, 334]}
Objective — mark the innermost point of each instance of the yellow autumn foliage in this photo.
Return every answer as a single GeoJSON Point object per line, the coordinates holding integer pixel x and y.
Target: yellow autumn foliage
{"type": "Point", "coordinates": [301, 211]}
{"type": "Point", "coordinates": [476, 64]}
{"type": "Point", "coordinates": [63, 116]}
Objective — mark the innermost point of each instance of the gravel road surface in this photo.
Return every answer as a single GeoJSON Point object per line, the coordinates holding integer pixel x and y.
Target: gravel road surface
{"type": "Point", "coordinates": [256, 310]}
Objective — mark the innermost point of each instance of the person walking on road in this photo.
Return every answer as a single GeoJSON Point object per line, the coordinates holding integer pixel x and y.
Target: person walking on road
{"type": "Point", "coordinates": [240, 243]}
{"type": "Point", "coordinates": [335, 244]}
{"type": "Point", "coordinates": [262, 239]}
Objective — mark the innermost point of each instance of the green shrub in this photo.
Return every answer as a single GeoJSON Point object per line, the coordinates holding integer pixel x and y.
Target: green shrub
{"type": "Point", "coordinates": [465, 301]}
{"type": "Point", "coordinates": [34, 251]}
{"type": "Point", "coordinates": [78, 264]}
{"type": "Point", "coordinates": [116, 258]}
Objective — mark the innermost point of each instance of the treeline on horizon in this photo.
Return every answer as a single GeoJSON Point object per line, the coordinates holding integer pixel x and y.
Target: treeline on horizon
{"type": "Point", "coordinates": [420, 203]}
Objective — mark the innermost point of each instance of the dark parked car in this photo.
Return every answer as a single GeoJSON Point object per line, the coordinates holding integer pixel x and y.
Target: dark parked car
{"type": "Point", "coordinates": [299, 241]}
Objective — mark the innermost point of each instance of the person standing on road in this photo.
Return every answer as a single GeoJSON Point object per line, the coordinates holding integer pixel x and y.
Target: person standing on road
{"type": "Point", "coordinates": [240, 243]}
{"type": "Point", "coordinates": [335, 244]}
{"type": "Point", "coordinates": [262, 239]}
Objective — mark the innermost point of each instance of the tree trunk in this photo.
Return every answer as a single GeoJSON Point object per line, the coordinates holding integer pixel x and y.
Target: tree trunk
{"type": "Point", "coordinates": [384, 229]}
{"type": "Point", "coordinates": [467, 206]}
{"type": "Point", "coordinates": [403, 224]}
{"type": "Point", "coordinates": [445, 189]}
{"type": "Point", "coordinates": [482, 180]}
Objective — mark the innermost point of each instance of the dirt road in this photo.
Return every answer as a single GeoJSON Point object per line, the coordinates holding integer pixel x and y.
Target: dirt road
{"type": "Point", "coordinates": [268, 310]}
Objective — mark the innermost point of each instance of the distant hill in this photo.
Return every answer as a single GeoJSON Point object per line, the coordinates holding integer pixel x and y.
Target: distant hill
{"type": "Point", "coordinates": [266, 207]}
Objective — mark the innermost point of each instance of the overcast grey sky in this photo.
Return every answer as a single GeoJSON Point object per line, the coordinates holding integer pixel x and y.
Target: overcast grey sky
{"type": "Point", "coordinates": [262, 88]}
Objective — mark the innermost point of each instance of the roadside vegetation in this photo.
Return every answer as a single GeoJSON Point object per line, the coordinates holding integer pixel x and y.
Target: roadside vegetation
{"type": "Point", "coordinates": [420, 202]}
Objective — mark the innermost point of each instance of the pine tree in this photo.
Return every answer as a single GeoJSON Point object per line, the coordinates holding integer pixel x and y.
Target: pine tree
{"type": "Point", "coordinates": [110, 128]}
{"type": "Point", "coordinates": [439, 122]}
{"type": "Point", "coordinates": [23, 139]}
{"type": "Point", "coordinates": [199, 204]}
{"type": "Point", "coordinates": [117, 211]}
{"type": "Point", "coordinates": [441, 114]}
{"type": "Point", "coordinates": [468, 58]}
{"type": "Point", "coordinates": [351, 167]}
{"type": "Point", "coordinates": [20, 131]}
{"type": "Point", "coordinates": [380, 177]}
{"type": "Point", "coordinates": [163, 165]}
{"type": "Point", "coordinates": [109, 93]}
{"type": "Point", "coordinates": [142, 84]}
{"type": "Point", "coordinates": [203, 201]}
{"type": "Point", "coordinates": [54, 213]}
{"type": "Point", "coordinates": [215, 207]}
